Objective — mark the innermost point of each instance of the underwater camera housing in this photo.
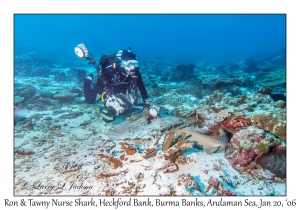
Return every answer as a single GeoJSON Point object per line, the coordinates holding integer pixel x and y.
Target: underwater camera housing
{"type": "Point", "coordinates": [81, 51]}
{"type": "Point", "coordinates": [118, 103]}
{"type": "Point", "coordinates": [114, 105]}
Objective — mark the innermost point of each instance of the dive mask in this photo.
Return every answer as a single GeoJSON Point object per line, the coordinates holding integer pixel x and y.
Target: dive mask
{"type": "Point", "coordinates": [81, 51]}
{"type": "Point", "coordinates": [130, 65]}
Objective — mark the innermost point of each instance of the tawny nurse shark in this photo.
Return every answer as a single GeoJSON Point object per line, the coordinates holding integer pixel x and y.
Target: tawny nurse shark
{"type": "Point", "coordinates": [210, 144]}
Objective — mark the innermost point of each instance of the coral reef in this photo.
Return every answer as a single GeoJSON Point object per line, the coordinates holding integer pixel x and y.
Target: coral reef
{"type": "Point", "coordinates": [131, 166]}
{"type": "Point", "coordinates": [33, 64]}
{"type": "Point", "coordinates": [27, 92]}
{"type": "Point", "coordinates": [275, 78]}
{"type": "Point", "coordinates": [61, 76]}
{"type": "Point", "coordinates": [41, 72]}
{"type": "Point", "coordinates": [235, 123]}
{"type": "Point", "coordinates": [269, 121]}
{"type": "Point", "coordinates": [236, 113]}
{"type": "Point", "coordinates": [222, 115]}
{"type": "Point", "coordinates": [182, 72]}
{"type": "Point", "coordinates": [249, 151]}
{"type": "Point", "coordinates": [77, 72]}
{"type": "Point", "coordinates": [185, 151]}
{"type": "Point", "coordinates": [251, 65]}
{"type": "Point", "coordinates": [275, 161]}
{"type": "Point", "coordinates": [216, 80]}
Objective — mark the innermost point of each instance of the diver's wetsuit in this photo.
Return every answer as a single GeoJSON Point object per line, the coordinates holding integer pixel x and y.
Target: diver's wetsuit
{"type": "Point", "coordinates": [112, 87]}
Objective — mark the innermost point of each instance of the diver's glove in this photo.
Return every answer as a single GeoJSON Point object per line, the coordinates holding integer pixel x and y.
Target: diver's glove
{"type": "Point", "coordinates": [146, 103]}
{"type": "Point", "coordinates": [88, 79]}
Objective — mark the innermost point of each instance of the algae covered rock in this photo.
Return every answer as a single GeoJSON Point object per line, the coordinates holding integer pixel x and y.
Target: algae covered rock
{"type": "Point", "coordinates": [41, 72]}
{"type": "Point", "coordinates": [64, 96]}
{"type": "Point", "coordinates": [275, 78]}
{"type": "Point", "coordinates": [273, 122]}
{"type": "Point", "coordinates": [27, 92]}
{"type": "Point", "coordinates": [25, 150]}
{"type": "Point", "coordinates": [274, 161]}
{"type": "Point", "coordinates": [182, 72]}
{"type": "Point", "coordinates": [252, 150]}
{"type": "Point", "coordinates": [280, 103]}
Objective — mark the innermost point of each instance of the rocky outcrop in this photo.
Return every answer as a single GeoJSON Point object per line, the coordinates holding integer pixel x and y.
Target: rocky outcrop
{"type": "Point", "coordinates": [257, 153]}
{"type": "Point", "coordinates": [270, 121]}
{"type": "Point", "coordinates": [182, 72]}
{"type": "Point", "coordinates": [27, 92]}
{"type": "Point", "coordinates": [64, 96]}
{"type": "Point", "coordinates": [273, 79]}
{"type": "Point", "coordinates": [18, 99]}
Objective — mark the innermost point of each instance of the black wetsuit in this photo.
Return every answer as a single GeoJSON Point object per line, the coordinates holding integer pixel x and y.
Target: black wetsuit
{"type": "Point", "coordinates": [114, 80]}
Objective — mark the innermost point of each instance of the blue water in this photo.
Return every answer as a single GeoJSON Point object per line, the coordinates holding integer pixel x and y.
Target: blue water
{"type": "Point", "coordinates": [189, 37]}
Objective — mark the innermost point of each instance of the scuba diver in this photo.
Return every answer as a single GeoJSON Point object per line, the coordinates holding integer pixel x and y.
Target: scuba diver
{"type": "Point", "coordinates": [117, 84]}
